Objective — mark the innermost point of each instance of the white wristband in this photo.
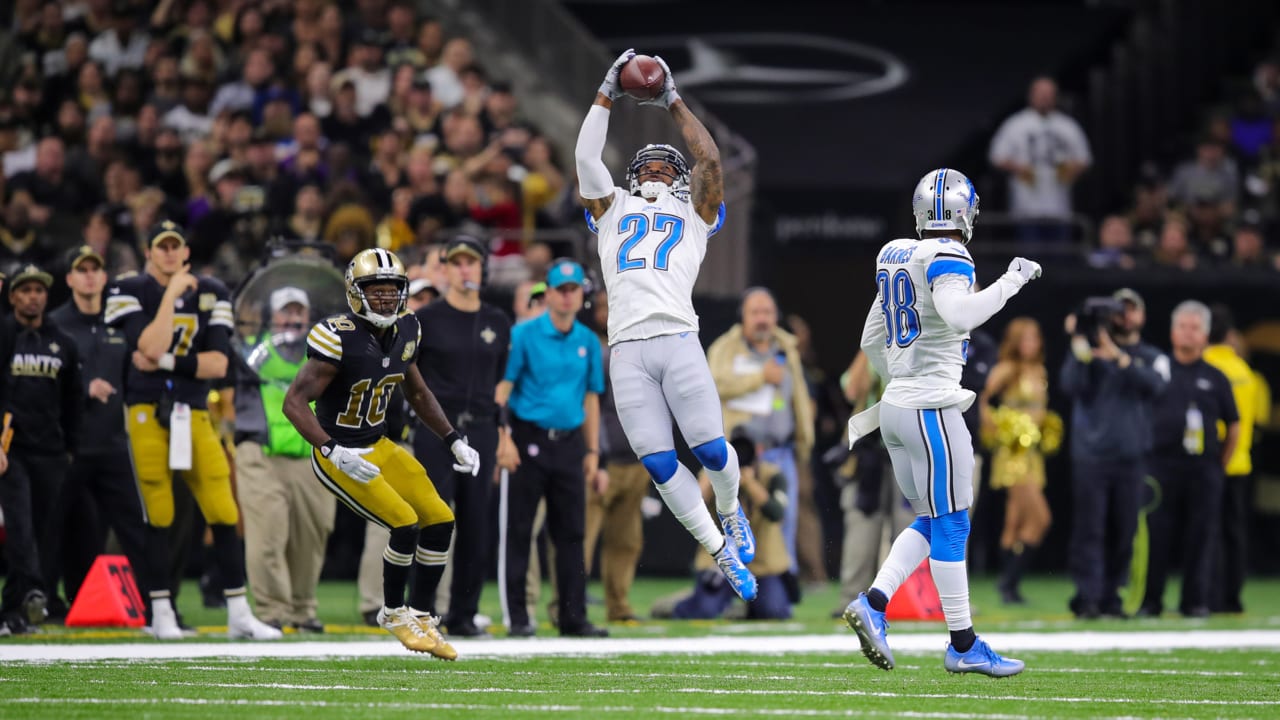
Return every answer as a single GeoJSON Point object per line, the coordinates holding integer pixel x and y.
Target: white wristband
{"type": "Point", "coordinates": [166, 362]}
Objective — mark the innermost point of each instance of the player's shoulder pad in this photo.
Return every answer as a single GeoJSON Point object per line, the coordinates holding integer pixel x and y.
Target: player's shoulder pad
{"type": "Point", "coordinates": [212, 297]}
{"type": "Point", "coordinates": [325, 338]}
{"type": "Point", "coordinates": [944, 256]}
{"type": "Point", "coordinates": [123, 298]}
{"type": "Point", "coordinates": [619, 196]}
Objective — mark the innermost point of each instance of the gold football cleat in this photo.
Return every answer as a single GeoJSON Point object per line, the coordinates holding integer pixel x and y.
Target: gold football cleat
{"type": "Point", "coordinates": [416, 634]}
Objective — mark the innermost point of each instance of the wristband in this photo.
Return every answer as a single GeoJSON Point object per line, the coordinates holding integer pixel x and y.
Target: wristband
{"type": "Point", "coordinates": [186, 366]}
{"type": "Point", "coordinates": [451, 438]}
{"type": "Point", "coordinates": [166, 362]}
{"type": "Point", "coordinates": [504, 417]}
{"type": "Point", "coordinates": [327, 448]}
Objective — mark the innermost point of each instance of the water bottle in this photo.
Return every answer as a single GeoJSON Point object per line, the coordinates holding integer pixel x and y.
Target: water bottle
{"type": "Point", "coordinates": [1193, 435]}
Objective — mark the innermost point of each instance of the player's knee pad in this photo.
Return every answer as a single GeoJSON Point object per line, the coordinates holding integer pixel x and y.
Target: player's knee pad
{"type": "Point", "coordinates": [713, 455]}
{"type": "Point", "coordinates": [436, 537]}
{"type": "Point", "coordinates": [662, 466]}
{"type": "Point", "coordinates": [950, 532]}
{"type": "Point", "coordinates": [403, 539]}
{"type": "Point", "coordinates": [923, 526]}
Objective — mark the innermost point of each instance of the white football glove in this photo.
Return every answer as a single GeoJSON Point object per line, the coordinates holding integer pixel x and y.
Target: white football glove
{"type": "Point", "coordinates": [1022, 271]}
{"type": "Point", "coordinates": [468, 459]}
{"type": "Point", "coordinates": [351, 461]}
{"type": "Point", "coordinates": [668, 94]}
{"type": "Point", "coordinates": [610, 88]}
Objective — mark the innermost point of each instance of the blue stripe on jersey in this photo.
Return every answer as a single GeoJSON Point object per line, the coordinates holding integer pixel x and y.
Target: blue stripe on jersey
{"type": "Point", "coordinates": [937, 194]}
{"type": "Point", "coordinates": [719, 221]}
{"type": "Point", "coordinates": [937, 268]}
{"type": "Point", "coordinates": [938, 484]}
{"type": "Point", "coordinates": [591, 223]}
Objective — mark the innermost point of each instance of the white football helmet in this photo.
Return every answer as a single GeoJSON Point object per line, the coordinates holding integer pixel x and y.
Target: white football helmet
{"type": "Point", "coordinates": [376, 265]}
{"type": "Point", "coordinates": [945, 200]}
{"type": "Point", "coordinates": [662, 153]}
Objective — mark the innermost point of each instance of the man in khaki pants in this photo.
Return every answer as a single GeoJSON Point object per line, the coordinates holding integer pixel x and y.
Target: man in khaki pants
{"type": "Point", "coordinates": [614, 496]}
{"type": "Point", "coordinates": [287, 514]}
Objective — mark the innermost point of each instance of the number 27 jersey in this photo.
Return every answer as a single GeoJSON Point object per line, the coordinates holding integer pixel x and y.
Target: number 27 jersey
{"type": "Point", "coordinates": [650, 255]}
{"type": "Point", "coordinates": [924, 354]}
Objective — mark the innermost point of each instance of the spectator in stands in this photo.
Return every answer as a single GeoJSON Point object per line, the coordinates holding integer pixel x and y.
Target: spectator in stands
{"type": "Point", "coordinates": [430, 41]}
{"type": "Point", "coordinates": [445, 83]}
{"type": "Point", "coordinates": [243, 95]}
{"type": "Point", "coordinates": [123, 44]}
{"type": "Point", "coordinates": [365, 70]}
{"type": "Point", "coordinates": [166, 168]}
{"type": "Point", "coordinates": [1209, 233]}
{"type": "Point", "coordinates": [1210, 175]}
{"type": "Point", "coordinates": [1115, 245]}
{"type": "Point", "coordinates": [1173, 249]}
{"type": "Point", "coordinates": [48, 189]}
{"type": "Point", "coordinates": [1250, 127]}
{"type": "Point", "coordinates": [1266, 81]}
{"type": "Point", "coordinates": [117, 257]}
{"type": "Point", "coordinates": [21, 243]}
{"type": "Point", "coordinates": [190, 116]}
{"type": "Point", "coordinates": [1248, 250]}
{"type": "Point", "coordinates": [1043, 151]}
{"type": "Point", "coordinates": [1267, 172]}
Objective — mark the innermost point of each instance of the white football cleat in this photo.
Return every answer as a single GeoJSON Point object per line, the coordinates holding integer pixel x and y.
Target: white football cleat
{"type": "Point", "coordinates": [248, 627]}
{"type": "Point", "coordinates": [164, 622]}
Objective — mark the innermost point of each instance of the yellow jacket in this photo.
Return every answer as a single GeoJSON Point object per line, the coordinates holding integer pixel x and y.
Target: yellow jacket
{"type": "Point", "coordinates": [732, 384]}
{"type": "Point", "coordinates": [1244, 386]}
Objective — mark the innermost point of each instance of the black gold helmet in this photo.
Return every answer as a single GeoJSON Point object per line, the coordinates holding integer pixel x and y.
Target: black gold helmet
{"type": "Point", "coordinates": [370, 266]}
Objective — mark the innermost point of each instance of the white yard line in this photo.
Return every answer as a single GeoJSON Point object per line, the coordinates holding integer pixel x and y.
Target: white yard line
{"type": "Point", "coordinates": [551, 646]}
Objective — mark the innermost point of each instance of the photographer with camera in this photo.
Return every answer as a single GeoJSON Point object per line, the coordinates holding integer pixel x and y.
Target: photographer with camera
{"type": "Point", "coordinates": [1112, 378]}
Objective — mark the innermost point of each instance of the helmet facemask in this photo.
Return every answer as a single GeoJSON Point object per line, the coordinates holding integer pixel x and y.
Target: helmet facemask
{"type": "Point", "coordinates": [653, 189]}
{"type": "Point", "coordinates": [371, 267]}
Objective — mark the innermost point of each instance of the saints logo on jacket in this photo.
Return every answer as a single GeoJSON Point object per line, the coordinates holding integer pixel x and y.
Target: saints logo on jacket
{"type": "Point", "coordinates": [353, 408]}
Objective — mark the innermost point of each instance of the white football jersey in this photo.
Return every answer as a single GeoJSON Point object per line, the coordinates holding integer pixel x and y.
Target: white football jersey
{"type": "Point", "coordinates": [650, 255]}
{"type": "Point", "coordinates": [924, 355]}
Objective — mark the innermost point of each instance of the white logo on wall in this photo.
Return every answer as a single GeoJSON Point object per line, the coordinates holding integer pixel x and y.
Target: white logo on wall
{"type": "Point", "coordinates": [722, 68]}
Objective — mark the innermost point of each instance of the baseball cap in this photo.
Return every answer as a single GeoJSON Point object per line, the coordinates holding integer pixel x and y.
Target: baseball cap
{"type": "Point", "coordinates": [564, 273]}
{"type": "Point", "coordinates": [536, 291]}
{"type": "Point", "coordinates": [285, 295]}
{"type": "Point", "coordinates": [1130, 295]}
{"type": "Point", "coordinates": [30, 272]}
{"type": "Point", "coordinates": [80, 254]}
{"type": "Point", "coordinates": [465, 244]}
{"type": "Point", "coordinates": [224, 168]}
{"type": "Point", "coordinates": [417, 286]}
{"type": "Point", "coordinates": [166, 229]}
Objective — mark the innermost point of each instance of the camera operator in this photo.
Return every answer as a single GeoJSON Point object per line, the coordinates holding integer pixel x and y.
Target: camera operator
{"type": "Point", "coordinates": [1112, 378]}
{"type": "Point", "coordinates": [1195, 430]}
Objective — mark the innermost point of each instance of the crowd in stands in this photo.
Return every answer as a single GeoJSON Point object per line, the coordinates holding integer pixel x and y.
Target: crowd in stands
{"type": "Point", "coordinates": [358, 124]}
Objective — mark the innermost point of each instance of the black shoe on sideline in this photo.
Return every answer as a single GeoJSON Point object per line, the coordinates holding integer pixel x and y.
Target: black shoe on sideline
{"type": "Point", "coordinates": [463, 628]}
{"type": "Point", "coordinates": [584, 630]}
{"type": "Point", "coordinates": [522, 631]}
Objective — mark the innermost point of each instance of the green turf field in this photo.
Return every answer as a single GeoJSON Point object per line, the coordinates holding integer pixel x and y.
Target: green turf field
{"type": "Point", "coordinates": [374, 678]}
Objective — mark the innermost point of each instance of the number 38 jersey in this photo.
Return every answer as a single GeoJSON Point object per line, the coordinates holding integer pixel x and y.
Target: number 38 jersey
{"type": "Point", "coordinates": [650, 254]}
{"type": "Point", "coordinates": [202, 322]}
{"type": "Point", "coordinates": [924, 354]}
{"type": "Point", "coordinates": [353, 408]}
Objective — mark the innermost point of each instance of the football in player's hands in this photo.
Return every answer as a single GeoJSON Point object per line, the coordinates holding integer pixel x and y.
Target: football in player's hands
{"type": "Point", "coordinates": [642, 78]}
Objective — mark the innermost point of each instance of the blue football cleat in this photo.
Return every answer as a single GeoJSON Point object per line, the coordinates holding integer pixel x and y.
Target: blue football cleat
{"type": "Point", "coordinates": [738, 528]}
{"type": "Point", "coordinates": [736, 572]}
{"type": "Point", "coordinates": [981, 659]}
{"type": "Point", "coordinates": [872, 631]}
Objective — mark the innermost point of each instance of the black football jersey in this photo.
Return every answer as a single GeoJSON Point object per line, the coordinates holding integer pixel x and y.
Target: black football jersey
{"type": "Point", "coordinates": [353, 408]}
{"type": "Point", "coordinates": [202, 321]}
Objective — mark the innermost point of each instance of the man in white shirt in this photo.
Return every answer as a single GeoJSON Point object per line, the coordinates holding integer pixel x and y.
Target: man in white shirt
{"type": "Point", "coordinates": [1044, 151]}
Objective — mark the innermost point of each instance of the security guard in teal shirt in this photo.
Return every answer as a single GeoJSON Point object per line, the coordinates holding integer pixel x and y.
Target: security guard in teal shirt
{"type": "Point", "coordinates": [550, 400]}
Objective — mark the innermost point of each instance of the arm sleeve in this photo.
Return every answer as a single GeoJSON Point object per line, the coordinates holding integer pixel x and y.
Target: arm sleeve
{"type": "Point", "coordinates": [874, 337]}
{"type": "Point", "coordinates": [963, 311]}
{"type": "Point", "coordinates": [594, 180]}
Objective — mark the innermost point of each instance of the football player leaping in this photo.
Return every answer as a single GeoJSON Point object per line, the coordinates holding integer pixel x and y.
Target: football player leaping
{"type": "Point", "coordinates": [355, 361]}
{"type": "Point", "coordinates": [652, 238]}
{"type": "Point", "coordinates": [916, 337]}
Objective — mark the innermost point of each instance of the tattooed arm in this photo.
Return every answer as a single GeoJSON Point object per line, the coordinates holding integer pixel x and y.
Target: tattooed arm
{"type": "Point", "coordinates": [707, 183]}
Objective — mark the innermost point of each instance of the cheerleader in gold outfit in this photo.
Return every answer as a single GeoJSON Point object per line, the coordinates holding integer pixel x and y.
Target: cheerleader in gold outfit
{"type": "Point", "coordinates": [1019, 382]}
